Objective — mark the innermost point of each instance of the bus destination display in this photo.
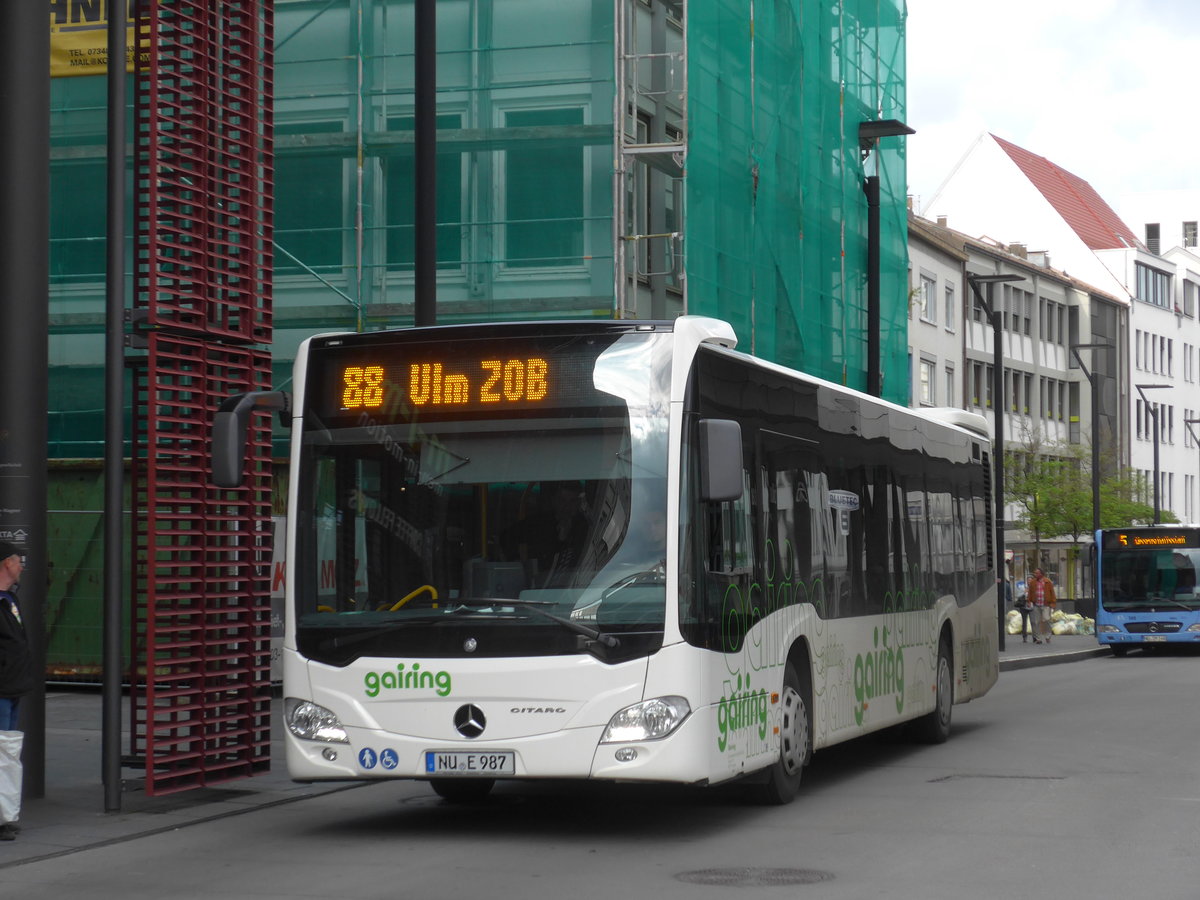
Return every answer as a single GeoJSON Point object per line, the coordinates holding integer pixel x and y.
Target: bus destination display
{"type": "Point", "coordinates": [495, 382]}
{"type": "Point", "coordinates": [471, 377]}
{"type": "Point", "coordinates": [1151, 539]}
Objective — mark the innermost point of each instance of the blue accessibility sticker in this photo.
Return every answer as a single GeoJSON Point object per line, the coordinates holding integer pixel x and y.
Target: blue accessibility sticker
{"type": "Point", "coordinates": [367, 758]}
{"type": "Point", "coordinates": [389, 758]}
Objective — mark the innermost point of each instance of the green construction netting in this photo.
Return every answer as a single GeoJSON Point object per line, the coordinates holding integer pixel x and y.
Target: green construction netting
{"type": "Point", "coordinates": [776, 219]}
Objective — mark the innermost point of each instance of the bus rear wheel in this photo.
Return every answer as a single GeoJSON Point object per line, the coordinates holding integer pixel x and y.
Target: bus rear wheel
{"type": "Point", "coordinates": [782, 780]}
{"type": "Point", "coordinates": [462, 790]}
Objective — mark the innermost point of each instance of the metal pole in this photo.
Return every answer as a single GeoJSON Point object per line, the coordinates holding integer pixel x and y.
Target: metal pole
{"type": "Point", "coordinates": [25, 273]}
{"type": "Point", "coordinates": [874, 376]}
{"type": "Point", "coordinates": [1095, 452]}
{"type": "Point", "coordinates": [998, 452]}
{"type": "Point", "coordinates": [993, 315]}
{"type": "Point", "coordinates": [1157, 508]}
{"type": "Point", "coordinates": [114, 417]}
{"type": "Point", "coordinates": [425, 213]}
{"type": "Point", "coordinates": [1188, 424]}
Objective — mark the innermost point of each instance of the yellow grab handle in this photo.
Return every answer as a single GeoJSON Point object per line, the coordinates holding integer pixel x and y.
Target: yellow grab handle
{"type": "Point", "coordinates": [425, 587]}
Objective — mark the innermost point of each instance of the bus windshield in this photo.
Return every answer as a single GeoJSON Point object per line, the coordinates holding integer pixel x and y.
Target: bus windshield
{"type": "Point", "coordinates": [1157, 579]}
{"type": "Point", "coordinates": [461, 529]}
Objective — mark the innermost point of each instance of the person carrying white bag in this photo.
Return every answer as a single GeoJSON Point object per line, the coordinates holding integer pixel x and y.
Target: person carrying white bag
{"type": "Point", "coordinates": [16, 680]}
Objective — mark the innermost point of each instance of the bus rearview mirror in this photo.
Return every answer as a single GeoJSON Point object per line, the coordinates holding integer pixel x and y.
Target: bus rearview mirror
{"type": "Point", "coordinates": [720, 460]}
{"type": "Point", "coordinates": [229, 432]}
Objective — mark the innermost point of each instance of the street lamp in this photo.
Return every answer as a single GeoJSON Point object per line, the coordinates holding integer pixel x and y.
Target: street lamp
{"type": "Point", "coordinates": [1188, 423]}
{"type": "Point", "coordinates": [1141, 389]}
{"type": "Point", "coordinates": [993, 315]}
{"type": "Point", "coordinates": [1091, 377]}
{"type": "Point", "coordinates": [869, 133]}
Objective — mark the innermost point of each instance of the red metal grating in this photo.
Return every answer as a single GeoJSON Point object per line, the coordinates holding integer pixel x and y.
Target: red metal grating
{"type": "Point", "coordinates": [202, 575]}
{"type": "Point", "coordinates": [201, 607]}
{"type": "Point", "coordinates": [204, 138]}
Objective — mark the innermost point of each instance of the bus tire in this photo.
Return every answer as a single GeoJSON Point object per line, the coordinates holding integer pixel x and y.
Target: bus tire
{"type": "Point", "coordinates": [934, 728]}
{"type": "Point", "coordinates": [1119, 650]}
{"type": "Point", "coordinates": [782, 779]}
{"type": "Point", "coordinates": [462, 790]}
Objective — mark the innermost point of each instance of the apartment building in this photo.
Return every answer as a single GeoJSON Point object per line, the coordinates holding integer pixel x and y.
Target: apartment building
{"type": "Point", "coordinates": [1009, 193]}
{"type": "Point", "coordinates": [1043, 313]}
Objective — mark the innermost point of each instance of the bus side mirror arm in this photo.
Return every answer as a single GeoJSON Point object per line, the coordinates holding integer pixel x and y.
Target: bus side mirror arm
{"type": "Point", "coordinates": [229, 429]}
{"type": "Point", "coordinates": [720, 460]}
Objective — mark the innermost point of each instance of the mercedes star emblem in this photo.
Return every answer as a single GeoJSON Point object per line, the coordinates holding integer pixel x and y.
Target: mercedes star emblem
{"type": "Point", "coordinates": [470, 720]}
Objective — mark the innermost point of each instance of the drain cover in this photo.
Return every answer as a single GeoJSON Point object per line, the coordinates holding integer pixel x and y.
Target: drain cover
{"type": "Point", "coordinates": [753, 876]}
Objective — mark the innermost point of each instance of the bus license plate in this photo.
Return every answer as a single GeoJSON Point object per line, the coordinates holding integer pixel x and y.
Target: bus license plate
{"type": "Point", "coordinates": [485, 763]}
{"type": "Point", "coordinates": [1155, 638]}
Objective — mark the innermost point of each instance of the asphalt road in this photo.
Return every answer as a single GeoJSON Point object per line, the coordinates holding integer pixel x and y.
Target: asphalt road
{"type": "Point", "coordinates": [1078, 780]}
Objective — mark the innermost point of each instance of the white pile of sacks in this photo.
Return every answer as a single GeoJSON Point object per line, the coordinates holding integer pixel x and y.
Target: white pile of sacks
{"type": "Point", "coordinates": [1060, 623]}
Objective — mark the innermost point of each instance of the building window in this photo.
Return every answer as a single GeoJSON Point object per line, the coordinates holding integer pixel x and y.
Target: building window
{"type": "Point", "coordinates": [928, 298]}
{"type": "Point", "coordinates": [1189, 297]}
{"type": "Point", "coordinates": [1189, 234]}
{"type": "Point", "coordinates": [543, 194]}
{"type": "Point", "coordinates": [1153, 286]}
{"type": "Point", "coordinates": [308, 202]}
{"type": "Point", "coordinates": [949, 398]}
{"type": "Point", "coordinates": [400, 197]}
{"type": "Point", "coordinates": [1152, 240]}
{"type": "Point", "coordinates": [928, 396]}
{"type": "Point", "coordinates": [950, 311]}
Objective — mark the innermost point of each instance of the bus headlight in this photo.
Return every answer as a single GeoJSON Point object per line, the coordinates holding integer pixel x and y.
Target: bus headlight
{"type": "Point", "coordinates": [646, 721]}
{"type": "Point", "coordinates": [1195, 627]}
{"type": "Point", "coordinates": [313, 723]}
{"type": "Point", "coordinates": [1108, 629]}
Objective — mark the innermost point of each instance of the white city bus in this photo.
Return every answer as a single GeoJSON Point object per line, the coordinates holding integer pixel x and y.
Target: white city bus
{"type": "Point", "coordinates": [616, 551]}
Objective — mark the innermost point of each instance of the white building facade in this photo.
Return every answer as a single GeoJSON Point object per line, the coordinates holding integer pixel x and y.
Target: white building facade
{"type": "Point", "coordinates": [1007, 193]}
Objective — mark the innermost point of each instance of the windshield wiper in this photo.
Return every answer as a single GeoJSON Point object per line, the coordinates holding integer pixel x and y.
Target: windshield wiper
{"type": "Point", "coordinates": [1178, 603]}
{"type": "Point", "coordinates": [476, 609]}
{"type": "Point", "coordinates": [336, 643]}
{"type": "Point", "coordinates": [587, 631]}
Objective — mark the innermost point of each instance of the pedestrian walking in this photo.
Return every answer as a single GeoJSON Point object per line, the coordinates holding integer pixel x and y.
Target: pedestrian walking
{"type": "Point", "coordinates": [1022, 605]}
{"type": "Point", "coordinates": [16, 680]}
{"type": "Point", "coordinates": [1039, 594]}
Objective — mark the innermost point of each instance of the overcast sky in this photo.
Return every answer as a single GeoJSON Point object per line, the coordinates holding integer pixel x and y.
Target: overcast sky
{"type": "Point", "coordinates": [1104, 88]}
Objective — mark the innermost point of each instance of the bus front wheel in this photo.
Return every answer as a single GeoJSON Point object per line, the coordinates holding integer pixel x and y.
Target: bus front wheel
{"type": "Point", "coordinates": [1119, 649]}
{"type": "Point", "coordinates": [782, 780]}
{"type": "Point", "coordinates": [934, 728]}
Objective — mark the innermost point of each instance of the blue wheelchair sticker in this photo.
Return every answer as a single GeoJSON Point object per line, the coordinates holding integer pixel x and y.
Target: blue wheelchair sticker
{"type": "Point", "coordinates": [389, 758]}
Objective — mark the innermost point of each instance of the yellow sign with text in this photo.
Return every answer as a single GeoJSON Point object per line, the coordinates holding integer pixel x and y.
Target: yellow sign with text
{"type": "Point", "coordinates": [79, 37]}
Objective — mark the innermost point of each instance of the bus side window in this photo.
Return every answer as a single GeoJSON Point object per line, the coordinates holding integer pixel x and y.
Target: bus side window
{"type": "Point", "coordinates": [730, 547]}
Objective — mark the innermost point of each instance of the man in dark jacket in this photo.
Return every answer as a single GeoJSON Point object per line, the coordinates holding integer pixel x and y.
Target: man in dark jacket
{"type": "Point", "coordinates": [16, 675]}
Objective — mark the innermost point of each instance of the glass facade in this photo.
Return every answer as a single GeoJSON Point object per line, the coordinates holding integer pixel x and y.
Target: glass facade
{"type": "Point", "coordinates": [733, 189]}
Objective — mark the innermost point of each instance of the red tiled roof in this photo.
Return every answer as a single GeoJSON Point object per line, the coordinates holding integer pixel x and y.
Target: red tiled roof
{"type": "Point", "coordinates": [1074, 199]}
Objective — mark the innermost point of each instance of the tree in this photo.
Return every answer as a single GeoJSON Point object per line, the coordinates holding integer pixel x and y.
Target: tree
{"type": "Point", "coordinates": [1051, 486]}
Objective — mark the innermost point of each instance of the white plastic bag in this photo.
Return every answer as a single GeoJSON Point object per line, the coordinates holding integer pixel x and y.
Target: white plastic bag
{"type": "Point", "coordinates": [10, 775]}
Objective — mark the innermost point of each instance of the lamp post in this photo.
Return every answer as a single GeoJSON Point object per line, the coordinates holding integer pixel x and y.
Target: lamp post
{"type": "Point", "coordinates": [993, 315]}
{"type": "Point", "coordinates": [1188, 423]}
{"type": "Point", "coordinates": [1141, 389]}
{"type": "Point", "coordinates": [1091, 377]}
{"type": "Point", "coordinates": [869, 133]}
